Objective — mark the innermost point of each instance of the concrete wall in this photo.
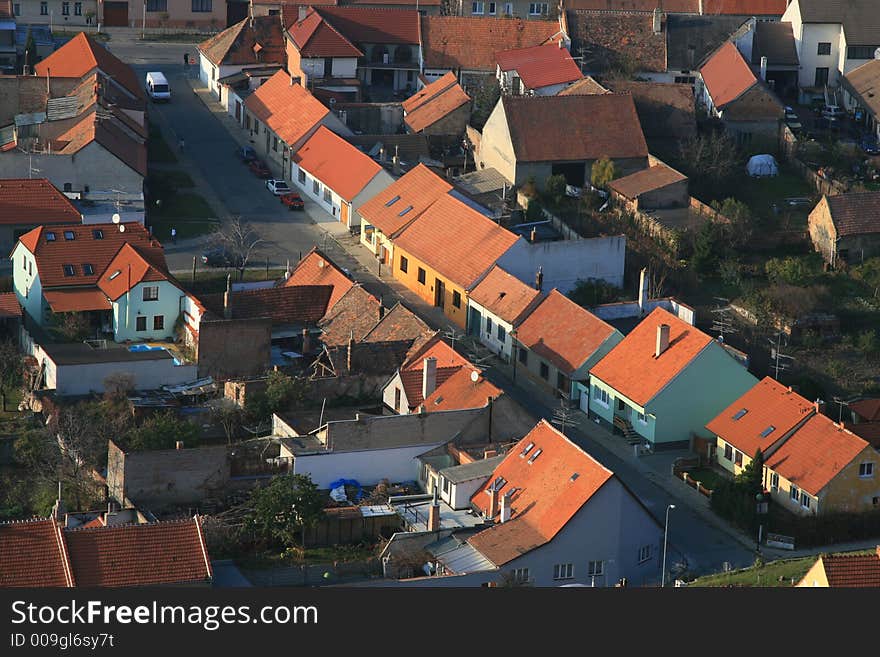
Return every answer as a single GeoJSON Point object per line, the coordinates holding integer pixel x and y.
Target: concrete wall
{"type": "Point", "coordinates": [89, 378]}
{"type": "Point", "coordinates": [496, 149]}
{"type": "Point", "coordinates": [426, 290]}
{"type": "Point", "coordinates": [490, 337]}
{"type": "Point", "coordinates": [389, 393]}
{"type": "Point", "coordinates": [379, 182]}
{"type": "Point", "coordinates": [166, 306]}
{"type": "Point", "coordinates": [30, 13]}
{"type": "Point", "coordinates": [850, 492]}
{"type": "Point", "coordinates": [26, 282]}
{"type": "Point", "coordinates": [234, 348]}
{"type": "Point", "coordinates": [179, 14]}
{"type": "Point", "coordinates": [823, 232]}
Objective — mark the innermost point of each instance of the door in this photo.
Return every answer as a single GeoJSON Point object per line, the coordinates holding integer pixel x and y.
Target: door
{"type": "Point", "coordinates": [584, 401]}
{"type": "Point", "coordinates": [439, 293]}
{"type": "Point", "coordinates": [115, 14]}
{"type": "Point", "coordinates": [474, 322]}
{"type": "Point", "coordinates": [238, 111]}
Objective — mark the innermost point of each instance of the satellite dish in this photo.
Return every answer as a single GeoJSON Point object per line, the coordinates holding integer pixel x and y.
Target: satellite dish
{"type": "Point", "coordinates": [121, 228]}
{"type": "Point", "coordinates": [475, 376]}
{"type": "Point", "coordinates": [116, 218]}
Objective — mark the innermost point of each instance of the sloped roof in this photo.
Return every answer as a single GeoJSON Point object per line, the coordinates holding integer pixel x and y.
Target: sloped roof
{"type": "Point", "coordinates": [139, 555]}
{"type": "Point", "coordinates": [317, 269]}
{"type": "Point", "coordinates": [251, 41]}
{"type": "Point", "coordinates": [129, 149]}
{"type": "Point", "coordinates": [726, 75]}
{"type": "Point", "coordinates": [375, 25]}
{"type": "Point", "coordinates": [77, 299]}
{"type": "Point", "coordinates": [690, 39]}
{"type": "Point", "coordinates": [350, 317]}
{"type": "Point", "coordinates": [586, 86]}
{"type": "Point", "coordinates": [767, 404]}
{"type": "Point", "coordinates": [617, 40]}
{"type": "Point", "coordinates": [80, 56]}
{"type": "Point", "coordinates": [32, 554]}
{"type": "Point", "coordinates": [574, 128]}
{"type": "Point", "coordinates": [665, 109]}
{"type": "Point", "coordinates": [36, 201]}
{"type": "Point", "coordinates": [429, 105]}
{"type": "Point", "coordinates": [540, 66]}
{"type": "Point", "coordinates": [418, 188]}
{"type": "Point", "coordinates": [339, 165]}
{"type": "Point", "coordinates": [869, 409]}
{"type": "Point", "coordinates": [9, 306]}
{"type": "Point", "coordinates": [680, 6]}
{"type": "Point", "coordinates": [470, 43]}
{"type": "Point", "coordinates": [646, 180]}
{"type": "Point", "coordinates": [315, 37]}
{"type": "Point", "coordinates": [297, 304]}
{"type": "Point", "coordinates": [860, 19]}
{"type": "Point", "coordinates": [478, 241]}
{"type": "Point", "coordinates": [563, 332]}
{"type": "Point", "coordinates": [545, 496]}
{"type": "Point", "coordinates": [132, 265]}
{"type": "Point", "coordinates": [504, 295]}
{"type": "Point", "coordinates": [448, 363]}
{"type": "Point", "coordinates": [745, 7]}
{"type": "Point", "coordinates": [401, 325]}
{"type": "Point", "coordinates": [775, 41]}
{"type": "Point", "coordinates": [460, 391]}
{"type": "Point", "coordinates": [865, 81]}
{"type": "Point", "coordinates": [855, 213]}
{"type": "Point", "coordinates": [288, 109]}
{"type": "Point", "coordinates": [852, 570]}
{"type": "Point", "coordinates": [815, 454]}
{"type": "Point", "coordinates": [630, 367]}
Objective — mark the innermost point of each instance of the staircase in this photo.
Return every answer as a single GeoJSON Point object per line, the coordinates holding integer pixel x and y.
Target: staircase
{"type": "Point", "coordinates": [627, 430]}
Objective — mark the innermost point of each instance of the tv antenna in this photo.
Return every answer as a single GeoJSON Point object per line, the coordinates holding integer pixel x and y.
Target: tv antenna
{"type": "Point", "coordinates": [563, 416]}
{"type": "Point", "coordinates": [780, 359]}
{"type": "Point", "coordinates": [840, 404]}
{"type": "Point", "coordinates": [721, 321]}
{"type": "Point", "coordinates": [452, 334]}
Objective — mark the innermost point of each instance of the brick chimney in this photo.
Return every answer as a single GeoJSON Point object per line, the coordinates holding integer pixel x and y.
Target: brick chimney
{"type": "Point", "coordinates": [429, 377]}
{"type": "Point", "coordinates": [434, 514]}
{"type": "Point", "coordinates": [492, 511]}
{"type": "Point", "coordinates": [662, 340]}
{"type": "Point", "coordinates": [505, 506]}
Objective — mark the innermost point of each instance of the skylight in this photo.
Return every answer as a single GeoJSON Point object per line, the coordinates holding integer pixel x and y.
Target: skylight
{"type": "Point", "coordinates": [114, 274]}
{"type": "Point", "coordinates": [98, 234]}
{"type": "Point", "coordinates": [88, 269]}
{"type": "Point", "coordinates": [68, 235]}
{"type": "Point", "coordinates": [392, 201]}
{"type": "Point", "coordinates": [498, 484]}
{"type": "Point", "coordinates": [766, 432]}
{"type": "Point", "coordinates": [69, 270]}
{"type": "Point", "coordinates": [740, 413]}
{"type": "Point", "coordinates": [405, 210]}
{"type": "Point", "coordinates": [535, 455]}
{"type": "Point", "coordinates": [50, 237]}
{"type": "Point", "coordinates": [574, 476]}
{"type": "Point", "coordinates": [527, 449]}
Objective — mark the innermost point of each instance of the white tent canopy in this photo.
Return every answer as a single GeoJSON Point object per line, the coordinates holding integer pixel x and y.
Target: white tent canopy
{"type": "Point", "coordinates": [762, 165]}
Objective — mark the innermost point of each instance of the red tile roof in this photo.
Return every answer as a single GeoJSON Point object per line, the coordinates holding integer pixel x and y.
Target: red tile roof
{"type": "Point", "coordinates": [815, 454]}
{"type": "Point", "coordinates": [130, 150]}
{"type": "Point", "coordinates": [139, 555]}
{"type": "Point", "coordinates": [540, 66]}
{"type": "Point", "coordinates": [477, 241]}
{"type": "Point", "coordinates": [585, 87]}
{"type": "Point", "coordinates": [631, 369]}
{"type": "Point", "coordinates": [460, 391]}
{"type": "Point", "coordinates": [131, 266]}
{"type": "Point", "coordinates": [37, 201]}
{"type": "Point", "coordinates": [767, 404]}
{"type": "Point", "coordinates": [615, 40]}
{"type": "Point", "coordinates": [437, 100]}
{"type": "Point", "coordinates": [868, 409]}
{"type": "Point", "coordinates": [238, 44]}
{"type": "Point", "coordinates": [574, 128]}
{"type": "Point", "coordinates": [80, 56]}
{"type": "Point", "coordinates": [32, 554]}
{"type": "Point", "coordinates": [85, 248]}
{"type": "Point", "coordinates": [297, 304]}
{"type": "Point", "coordinates": [288, 109]}
{"type": "Point", "coordinates": [646, 180]}
{"type": "Point", "coordinates": [504, 295]}
{"type": "Point", "coordinates": [417, 188]}
{"type": "Point", "coordinates": [745, 7]}
{"type": "Point", "coordinates": [546, 496]}
{"type": "Point", "coordinates": [727, 75]}
{"type": "Point", "coordinates": [315, 37]}
{"type": "Point", "coordinates": [671, 6]}
{"type": "Point", "coordinates": [340, 166]}
{"type": "Point", "coordinates": [870, 431]}
{"type": "Point", "coordinates": [77, 300]}
{"type": "Point", "coordinates": [851, 570]}
{"type": "Point", "coordinates": [412, 372]}
{"type": "Point", "coordinates": [562, 332]}
{"type": "Point", "coordinates": [317, 269]}
{"type": "Point", "coordinates": [855, 213]}
{"type": "Point", "coordinates": [375, 25]}
{"type": "Point", "coordinates": [9, 306]}
{"type": "Point", "coordinates": [458, 42]}
{"type": "Point", "coordinates": [352, 316]}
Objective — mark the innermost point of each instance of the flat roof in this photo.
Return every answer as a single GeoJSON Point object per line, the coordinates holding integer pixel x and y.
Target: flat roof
{"type": "Point", "coordinates": [80, 353]}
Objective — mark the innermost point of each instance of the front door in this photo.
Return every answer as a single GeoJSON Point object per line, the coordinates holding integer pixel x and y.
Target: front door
{"type": "Point", "coordinates": [116, 14]}
{"type": "Point", "coordinates": [439, 293]}
{"type": "Point", "coordinates": [238, 111]}
{"type": "Point", "coordinates": [475, 321]}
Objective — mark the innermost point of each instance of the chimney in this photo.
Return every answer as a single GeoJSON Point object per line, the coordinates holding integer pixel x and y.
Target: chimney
{"type": "Point", "coordinates": [701, 7]}
{"type": "Point", "coordinates": [539, 279]}
{"type": "Point", "coordinates": [350, 349]}
{"type": "Point", "coordinates": [227, 306]}
{"type": "Point", "coordinates": [492, 511]}
{"type": "Point", "coordinates": [307, 341]}
{"type": "Point", "coordinates": [764, 68]}
{"type": "Point", "coordinates": [48, 88]}
{"type": "Point", "coordinates": [662, 340]}
{"type": "Point", "coordinates": [643, 289]}
{"type": "Point", "coordinates": [434, 513]}
{"type": "Point", "coordinates": [178, 444]}
{"type": "Point", "coordinates": [429, 376]}
{"type": "Point", "coordinates": [395, 163]}
{"type": "Point", "coordinates": [658, 20]}
{"type": "Point", "coordinates": [505, 506]}
{"type": "Point", "coordinates": [381, 309]}
{"type": "Point", "coordinates": [489, 453]}
{"type": "Point", "coordinates": [302, 13]}
{"type": "Point", "coordinates": [533, 236]}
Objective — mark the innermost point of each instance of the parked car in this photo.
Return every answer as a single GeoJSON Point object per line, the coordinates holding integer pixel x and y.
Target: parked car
{"type": "Point", "coordinates": [833, 112]}
{"type": "Point", "coordinates": [293, 201]}
{"type": "Point", "coordinates": [220, 257]}
{"type": "Point", "coordinates": [259, 169]}
{"type": "Point", "coordinates": [870, 146]}
{"type": "Point", "coordinates": [246, 154]}
{"type": "Point", "coordinates": [278, 187]}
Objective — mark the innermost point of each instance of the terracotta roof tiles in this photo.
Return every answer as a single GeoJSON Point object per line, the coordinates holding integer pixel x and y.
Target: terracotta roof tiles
{"type": "Point", "coordinates": [504, 295]}
{"type": "Point", "coordinates": [339, 165]}
{"type": "Point", "coordinates": [241, 43]}
{"type": "Point", "coordinates": [9, 306]}
{"type": "Point", "coordinates": [459, 391]}
{"type": "Point", "coordinates": [297, 304]}
{"type": "Point", "coordinates": [418, 188]}
{"type": "Point", "coordinates": [646, 180]}
{"type": "Point", "coordinates": [613, 40]}
{"type": "Point", "coordinates": [584, 87]}
{"type": "Point", "coordinates": [855, 213]}
{"type": "Point", "coordinates": [36, 201]}
{"type": "Point", "coordinates": [288, 109]}
{"type": "Point", "coordinates": [352, 316]}
{"type": "Point", "coordinates": [745, 7]}
{"type": "Point", "coordinates": [133, 264]}
{"type": "Point", "coordinates": [868, 409]}
{"type": "Point", "coordinates": [852, 570]}
{"type": "Point", "coordinates": [375, 25]}
{"type": "Point", "coordinates": [32, 554]}
{"type": "Point", "coordinates": [77, 299]}
{"type": "Point", "coordinates": [435, 101]}
{"type": "Point", "coordinates": [677, 6]}
{"type": "Point", "coordinates": [315, 37]}
{"type": "Point", "coordinates": [540, 66]}
{"type": "Point", "coordinates": [727, 75]}
{"type": "Point", "coordinates": [317, 269]}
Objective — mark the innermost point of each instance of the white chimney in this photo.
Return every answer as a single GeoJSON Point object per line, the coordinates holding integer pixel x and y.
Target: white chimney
{"type": "Point", "coordinates": [764, 69]}
{"type": "Point", "coordinates": [643, 289]}
{"type": "Point", "coordinates": [662, 340]}
{"type": "Point", "coordinates": [505, 506]}
{"type": "Point", "coordinates": [877, 54]}
{"type": "Point", "coordinates": [701, 7]}
{"type": "Point", "coordinates": [429, 376]}
{"type": "Point", "coordinates": [493, 501]}
{"type": "Point", "coordinates": [658, 20]}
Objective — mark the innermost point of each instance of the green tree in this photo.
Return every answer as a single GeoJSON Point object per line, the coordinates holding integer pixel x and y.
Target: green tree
{"type": "Point", "coordinates": [708, 247]}
{"type": "Point", "coordinates": [535, 211]}
{"type": "Point", "coordinates": [285, 508]}
{"type": "Point", "coordinates": [739, 231]}
{"type": "Point", "coordinates": [602, 172]}
{"type": "Point", "coordinates": [284, 391]}
{"type": "Point", "coordinates": [712, 162]}
{"type": "Point", "coordinates": [592, 292]}
{"type": "Point", "coordinates": [486, 96]}
{"type": "Point", "coordinates": [752, 476]}
{"type": "Point", "coordinates": [799, 271]}
{"type": "Point", "coordinates": [866, 342]}
{"type": "Point", "coordinates": [162, 431]}
{"type": "Point", "coordinates": [555, 187]}
{"type": "Point", "coordinates": [30, 52]}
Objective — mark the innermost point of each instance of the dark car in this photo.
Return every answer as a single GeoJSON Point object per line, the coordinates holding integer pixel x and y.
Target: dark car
{"type": "Point", "coordinates": [246, 154]}
{"type": "Point", "coordinates": [293, 201]}
{"type": "Point", "coordinates": [259, 169]}
{"type": "Point", "coordinates": [870, 146]}
{"type": "Point", "coordinates": [220, 257]}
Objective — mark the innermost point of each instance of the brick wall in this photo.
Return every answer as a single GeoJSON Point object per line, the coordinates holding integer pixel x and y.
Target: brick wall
{"type": "Point", "coordinates": [234, 348]}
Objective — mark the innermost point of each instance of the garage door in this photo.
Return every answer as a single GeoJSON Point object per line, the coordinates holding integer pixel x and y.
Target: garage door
{"type": "Point", "coordinates": [116, 14]}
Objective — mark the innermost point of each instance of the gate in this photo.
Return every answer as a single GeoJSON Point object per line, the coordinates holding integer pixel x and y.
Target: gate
{"type": "Point", "coordinates": [116, 14]}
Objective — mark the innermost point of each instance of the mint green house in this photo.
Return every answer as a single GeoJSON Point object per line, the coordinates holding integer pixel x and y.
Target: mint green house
{"type": "Point", "coordinates": [665, 380]}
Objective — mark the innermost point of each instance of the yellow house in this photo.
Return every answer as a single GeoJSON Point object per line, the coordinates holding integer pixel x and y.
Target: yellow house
{"type": "Point", "coordinates": [844, 571]}
{"type": "Point", "coordinates": [445, 251]}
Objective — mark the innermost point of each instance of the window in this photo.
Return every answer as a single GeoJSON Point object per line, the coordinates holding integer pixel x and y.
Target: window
{"type": "Point", "coordinates": [65, 9]}
{"type": "Point", "coordinates": [114, 275]}
{"type": "Point", "coordinates": [766, 432]}
{"type": "Point", "coordinates": [523, 356]}
{"type": "Point", "coordinates": [492, 8]}
{"type": "Point", "coordinates": [44, 9]}
{"type": "Point", "coordinates": [866, 470]}
{"type": "Point", "coordinates": [526, 449]}
{"type": "Point", "coordinates": [601, 396]}
{"type": "Point", "coordinates": [563, 571]}
{"type": "Point", "coordinates": [476, 7]}
{"type": "Point", "coordinates": [68, 187]}
{"type": "Point", "coordinates": [595, 568]}
{"type": "Point", "coordinates": [520, 575]}
{"type": "Point", "coordinates": [77, 9]}
{"type": "Point", "coordinates": [534, 456]}
{"type": "Point", "coordinates": [274, 12]}
{"type": "Point", "coordinates": [151, 293]}
{"type": "Point", "coordinates": [644, 553]}
{"type": "Point", "coordinates": [794, 493]}
{"type": "Point", "coordinates": [405, 210]}
{"type": "Point", "coordinates": [488, 326]}
{"type": "Point", "coordinates": [740, 413]}
{"type": "Point", "coordinates": [159, 323]}
{"type": "Point", "coordinates": [445, 485]}
{"type": "Point", "coordinates": [98, 234]}
{"type": "Point", "coordinates": [404, 264]}
{"type": "Point", "coordinates": [821, 77]}
{"type": "Point", "coordinates": [421, 276]}
{"type": "Point", "coordinates": [88, 270]}
{"type": "Point", "coordinates": [16, 9]}
{"type": "Point", "coordinates": [275, 144]}
{"type": "Point", "coordinates": [69, 270]}
{"type": "Point", "coordinates": [805, 500]}
{"type": "Point", "coordinates": [728, 452]}
{"type": "Point", "coordinates": [562, 382]}
{"type": "Point", "coordinates": [545, 371]}
{"type": "Point", "coordinates": [69, 235]}
{"type": "Point", "coordinates": [508, 8]}
{"type": "Point", "coordinates": [738, 457]}
{"type": "Point", "coordinates": [642, 418]}
{"type": "Point", "coordinates": [824, 48]}
{"type": "Point", "coordinates": [316, 187]}
{"type": "Point", "coordinates": [685, 79]}
{"type": "Point", "coordinates": [328, 196]}
{"type": "Point", "coordinates": [456, 299]}
{"type": "Point", "coordinates": [201, 5]}
{"type": "Point", "coordinates": [501, 333]}
{"type": "Point", "coordinates": [774, 481]}
{"type": "Point", "coordinates": [140, 323]}
{"type": "Point", "coordinates": [301, 176]}
{"type": "Point", "coordinates": [860, 52]}
{"type": "Point", "coordinates": [397, 399]}
{"type": "Point", "coordinates": [537, 8]}
{"type": "Point", "coordinates": [391, 202]}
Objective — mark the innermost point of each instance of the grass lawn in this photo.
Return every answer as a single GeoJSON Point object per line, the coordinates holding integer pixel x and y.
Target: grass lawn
{"type": "Point", "coordinates": [761, 193]}
{"type": "Point", "coordinates": [157, 148]}
{"type": "Point", "coordinates": [184, 206]}
{"type": "Point", "coordinates": [67, 34]}
{"type": "Point", "coordinates": [163, 181]}
{"type": "Point", "coordinates": [764, 576]}
{"type": "Point", "coordinates": [706, 476]}
{"type": "Point", "coordinates": [208, 281]}
{"type": "Point", "coordinates": [178, 38]}
{"type": "Point", "coordinates": [185, 229]}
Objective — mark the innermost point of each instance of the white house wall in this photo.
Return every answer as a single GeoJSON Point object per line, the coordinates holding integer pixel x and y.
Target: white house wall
{"type": "Point", "coordinates": [380, 181]}
{"type": "Point", "coordinates": [491, 339]}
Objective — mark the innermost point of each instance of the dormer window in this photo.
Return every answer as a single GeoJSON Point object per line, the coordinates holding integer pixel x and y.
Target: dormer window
{"type": "Point", "coordinates": [88, 270]}
{"type": "Point", "coordinates": [98, 234]}
{"type": "Point", "coordinates": [50, 237]}
{"type": "Point", "coordinates": [68, 235]}
{"type": "Point", "coordinates": [69, 270]}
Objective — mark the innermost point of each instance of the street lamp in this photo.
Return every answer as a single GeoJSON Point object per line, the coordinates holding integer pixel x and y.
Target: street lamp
{"type": "Point", "coordinates": [665, 535]}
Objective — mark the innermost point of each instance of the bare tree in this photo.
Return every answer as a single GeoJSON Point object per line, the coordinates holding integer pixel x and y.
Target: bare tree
{"type": "Point", "coordinates": [657, 274]}
{"type": "Point", "coordinates": [11, 369]}
{"type": "Point", "coordinates": [240, 240]}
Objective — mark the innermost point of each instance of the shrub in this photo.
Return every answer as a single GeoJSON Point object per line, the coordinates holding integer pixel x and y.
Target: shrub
{"type": "Point", "coordinates": [535, 211]}
{"type": "Point", "coordinates": [602, 172]}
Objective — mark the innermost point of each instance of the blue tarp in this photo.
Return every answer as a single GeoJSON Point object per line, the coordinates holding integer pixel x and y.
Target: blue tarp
{"type": "Point", "coordinates": [348, 482]}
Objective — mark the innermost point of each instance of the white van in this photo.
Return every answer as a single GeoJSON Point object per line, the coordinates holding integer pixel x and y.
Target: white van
{"type": "Point", "coordinates": [158, 87]}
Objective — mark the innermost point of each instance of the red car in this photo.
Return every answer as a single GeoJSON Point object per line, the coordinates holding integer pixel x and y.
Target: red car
{"type": "Point", "coordinates": [259, 169]}
{"type": "Point", "coordinates": [293, 201]}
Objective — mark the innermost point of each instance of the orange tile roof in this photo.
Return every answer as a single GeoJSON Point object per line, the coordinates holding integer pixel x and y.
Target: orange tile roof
{"type": "Point", "coordinates": [563, 332]}
{"type": "Point", "coordinates": [128, 149]}
{"type": "Point", "coordinates": [672, 6]}
{"type": "Point", "coordinates": [429, 105]}
{"type": "Point", "coordinates": [418, 188]}
{"type": "Point", "coordinates": [852, 570]}
{"type": "Point", "coordinates": [815, 454]}
{"type": "Point", "coordinates": [37, 201]}
{"type": "Point", "coordinates": [646, 180]}
{"type": "Point", "coordinates": [80, 56]}
{"type": "Point", "coordinates": [288, 109]}
{"type": "Point", "coordinates": [32, 554]}
{"type": "Point", "coordinates": [869, 409]}
{"type": "Point", "coordinates": [470, 43]}
{"type": "Point", "coordinates": [9, 306]}
{"type": "Point", "coordinates": [435, 348]}
{"type": "Point", "coordinates": [727, 75]}
{"type": "Point", "coordinates": [460, 391]}
{"type": "Point", "coordinates": [375, 24]}
{"type": "Point", "coordinates": [504, 295]}
{"type": "Point", "coordinates": [585, 87]}
{"type": "Point", "coordinates": [545, 496]}
{"type": "Point", "coordinates": [540, 66]}
{"type": "Point", "coordinates": [340, 166]}
{"type": "Point", "coordinates": [239, 43]}
{"type": "Point", "coordinates": [315, 37]}
{"type": "Point", "coordinates": [630, 367]}
{"type": "Point", "coordinates": [456, 240]}
{"type": "Point", "coordinates": [745, 7]}
{"type": "Point", "coordinates": [317, 269]}
{"type": "Point", "coordinates": [297, 304]}
{"type": "Point", "coordinates": [767, 404]}
{"type": "Point", "coordinates": [139, 555]}
{"type": "Point", "coordinates": [85, 248]}
{"type": "Point", "coordinates": [77, 299]}
{"type": "Point", "coordinates": [131, 266]}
